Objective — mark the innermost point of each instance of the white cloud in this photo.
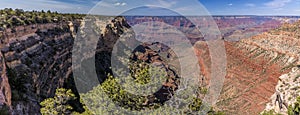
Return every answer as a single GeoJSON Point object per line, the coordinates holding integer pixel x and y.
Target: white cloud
{"type": "Point", "coordinates": [230, 4]}
{"type": "Point", "coordinates": [123, 4]}
{"type": "Point", "coordinates": [120, 4]}
{"type": "Point", "coordinates": [250, 5]}
{"type": "Point", "coordinates": [277, 3]}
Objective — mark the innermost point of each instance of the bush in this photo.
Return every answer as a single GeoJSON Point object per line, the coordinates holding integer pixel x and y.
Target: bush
{"type": "Point", "coordinates": [295, 108]}
{"type": "Point", "coordinates": [100, 97]}
{"type": "Point", "coordinates": [58, 105]}
{"type": "Point", "coordinates": [11, 18]}
{"type": "Point", "coordinates": [4, 110]}
{"type": "Point", "coordinates": [271, 112]}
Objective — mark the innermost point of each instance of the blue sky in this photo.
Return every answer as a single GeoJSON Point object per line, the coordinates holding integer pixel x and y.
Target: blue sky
{"type": "Point", "coordinates": [186, 7]}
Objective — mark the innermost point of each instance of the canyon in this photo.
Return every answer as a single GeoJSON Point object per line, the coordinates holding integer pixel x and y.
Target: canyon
{"type": "Point", "coordinates": [37, 59]}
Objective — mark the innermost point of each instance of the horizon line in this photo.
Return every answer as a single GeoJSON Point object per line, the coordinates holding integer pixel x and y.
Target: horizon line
{"type": "Point", "coordinates": [213, 15]}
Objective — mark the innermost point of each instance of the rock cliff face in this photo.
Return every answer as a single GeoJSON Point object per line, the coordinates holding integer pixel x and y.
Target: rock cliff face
{"type": "Point", "coordinates": [254, 67]}
{"type": "Point", "coordinates": [111, 29]}
{"type": "Point", "coordinates": [5, 90]}
{"type": "Point", "coordinates": [37, 61]}
{"type": "Point", "coordinates": [286, 92]}
{"type": "Point", "coordinates": [250, 81]}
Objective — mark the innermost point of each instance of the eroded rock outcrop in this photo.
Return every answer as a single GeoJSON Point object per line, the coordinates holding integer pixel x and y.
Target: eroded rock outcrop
{"type": "Point", "coordinates": [254, 66]}
{"type": "Point", "coordinates": [286, 92]}
{"type": "Point", "coordinates": [38, 60]}
{"type": "Point", "coordinates": [5, 90]}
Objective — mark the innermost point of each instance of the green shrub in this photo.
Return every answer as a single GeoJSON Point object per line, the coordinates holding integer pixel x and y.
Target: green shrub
{"type": "Point", "coordinates": [295, 108]}
{"type": "Point", "coordinates": [271, 112]}
{"type": "Point", "coordinates": [58, 105]}
{"type": "Point", "coordinates": [4, 110]}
